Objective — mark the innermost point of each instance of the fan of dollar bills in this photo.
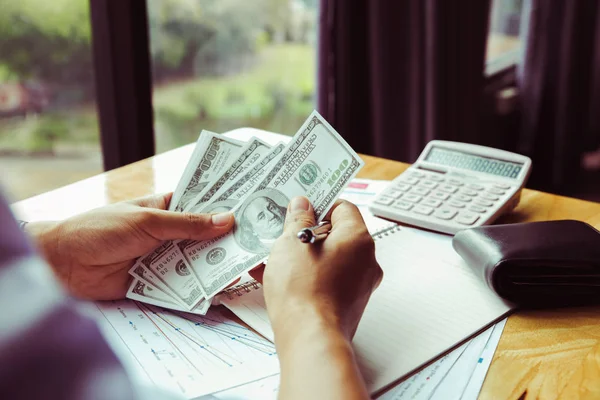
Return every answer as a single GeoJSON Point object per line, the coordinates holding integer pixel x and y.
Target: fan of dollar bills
{"type": "Point", "coordinates": [255, 182]}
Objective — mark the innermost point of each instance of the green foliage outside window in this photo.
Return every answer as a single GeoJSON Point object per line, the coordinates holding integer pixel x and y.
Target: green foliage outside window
{"type": "Point", "coordinates": [217, 64]}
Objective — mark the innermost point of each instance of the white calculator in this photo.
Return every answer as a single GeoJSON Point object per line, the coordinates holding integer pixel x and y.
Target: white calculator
{"type": "Point", "coordinates": [453, 186]}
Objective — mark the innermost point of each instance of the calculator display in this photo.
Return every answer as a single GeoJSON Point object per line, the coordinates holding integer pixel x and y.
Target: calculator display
{"type": "Point", "coordinates": [487, 165]}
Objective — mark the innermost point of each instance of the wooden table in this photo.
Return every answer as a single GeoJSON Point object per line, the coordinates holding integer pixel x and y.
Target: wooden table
{"type": "Point", "coordinates": [542, 354]}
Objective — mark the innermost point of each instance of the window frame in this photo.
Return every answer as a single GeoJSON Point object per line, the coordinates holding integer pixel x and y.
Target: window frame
{"type": "Point", "coordinates": [121, 53]}
{"type": "Point", "coordinates": [504, 65]}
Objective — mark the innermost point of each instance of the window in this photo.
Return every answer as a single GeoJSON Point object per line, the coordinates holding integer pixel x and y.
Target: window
{"type": "Point", "coordinates": [48, 119]}
{"type": "Point", "coordinates": [221, 65]}
{"type": "Point", "coordinates": [504, 38]}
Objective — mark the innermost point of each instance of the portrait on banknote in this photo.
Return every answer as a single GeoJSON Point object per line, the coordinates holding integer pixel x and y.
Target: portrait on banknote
{"type": "Point", "coordinates": [139, 288]}
{"type": "Point", "coordinates": [260, 220]}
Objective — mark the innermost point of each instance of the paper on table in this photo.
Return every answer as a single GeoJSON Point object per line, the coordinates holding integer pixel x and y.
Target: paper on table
{"type": "Point", "coordinates": [420, 386]}
{"type": "Point", "coordinates": [483, 363]}
{"type": "Point", "coordinates": [457, 375]}
{"type": "Point", "coordinates": [454, 383]}
{"type": "Point", "coordinates": [361, 193]}
{"type": "Point", "coordinates": [264, 389]}
{"type": "Point", "coordinates": [184, 353]}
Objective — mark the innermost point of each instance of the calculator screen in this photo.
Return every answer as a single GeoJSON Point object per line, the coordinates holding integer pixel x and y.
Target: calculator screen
{"type": "Point", "coordinates": [458, 159]}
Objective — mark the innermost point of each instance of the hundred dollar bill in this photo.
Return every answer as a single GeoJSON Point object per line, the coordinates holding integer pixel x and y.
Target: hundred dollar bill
{"type": "Point", "coordinates": [250, 155]}
{"type": "Point", "coordinates": [213, 152]}
{"type": "Point", "coordinates": [233, 192]}
{"type": "Point", "coordinates": [211, 155]}
{"type": "Point", "coordinates": [227, 197]}
{"type": "Point", "coordinates": [317, 163]}
{"type": "Point", "coordinates": [139, 272]}
{"type": "Point", "coordinates": [140, 291]}
{"type": "Point", "coordinates": [173, 272]}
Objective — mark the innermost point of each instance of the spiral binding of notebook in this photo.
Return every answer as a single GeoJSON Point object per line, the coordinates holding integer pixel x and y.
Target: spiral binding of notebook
{"type": "Point", "coordinates": [240, 289]}
{"type": "Point", "coordinates": [385, 232]}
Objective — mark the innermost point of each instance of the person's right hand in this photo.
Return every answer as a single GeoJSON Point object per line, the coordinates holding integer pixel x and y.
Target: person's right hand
{"type": "Point", "coordinates": [331, 280]}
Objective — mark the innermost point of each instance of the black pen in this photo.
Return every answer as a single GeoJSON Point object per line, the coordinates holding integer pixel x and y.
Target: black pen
{"type": "Point", "coordinates": [315, 233]}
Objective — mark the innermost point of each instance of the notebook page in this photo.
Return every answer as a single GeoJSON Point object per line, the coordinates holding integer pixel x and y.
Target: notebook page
{"type": "Point", "coordinates": [428, 302]}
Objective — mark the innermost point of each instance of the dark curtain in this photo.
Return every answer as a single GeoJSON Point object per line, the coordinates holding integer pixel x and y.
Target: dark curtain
{"type": "Point", "coordinates": [395, 74]}
{"type": "Point", "coordinates": [559, 85]}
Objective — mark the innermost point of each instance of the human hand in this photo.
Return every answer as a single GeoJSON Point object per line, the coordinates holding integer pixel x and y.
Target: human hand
{"type": "Point", "coordinates": [91, 253]}
{"type": "Point", "coordinates": [332, 279]}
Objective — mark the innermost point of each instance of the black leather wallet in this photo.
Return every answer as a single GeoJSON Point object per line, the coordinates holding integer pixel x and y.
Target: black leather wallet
{"type": "Point", "coordinates": [536, 264]}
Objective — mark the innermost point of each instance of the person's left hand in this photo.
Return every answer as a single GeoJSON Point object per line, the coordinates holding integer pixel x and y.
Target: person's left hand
{"type": "Point", "coordinates": [92, 253]}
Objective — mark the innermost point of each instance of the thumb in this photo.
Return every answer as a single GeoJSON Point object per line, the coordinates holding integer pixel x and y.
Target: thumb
{"type": "Point", "coordinates": [300, 215]}
{"type": "Point", "coordinates": [168, 225]}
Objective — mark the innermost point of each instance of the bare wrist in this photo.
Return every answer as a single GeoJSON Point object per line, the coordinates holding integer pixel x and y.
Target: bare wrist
{"type": "Point", "coordinates": [299, 321]}
{"type": "Point", "coordinates": [311, 340]}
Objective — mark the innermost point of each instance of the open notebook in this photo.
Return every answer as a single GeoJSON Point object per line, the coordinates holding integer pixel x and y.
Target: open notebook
{"type": "Point", "coordinates": [429, 302]}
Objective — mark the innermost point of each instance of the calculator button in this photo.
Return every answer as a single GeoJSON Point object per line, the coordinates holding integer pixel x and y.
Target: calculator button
{"type": "Point", "coordinates": [455, 182]}
{"type": "Point", "coordinates": [502, 186]}
{"type": "Point", "coordinates": [410, 181]}
{"type": "Point", "coordinates": [467, 218]}
{"type": "Point", "coordinates": [496, 191]}
{"type": "Point", "coordinates": [448, 188]}
{"type": "Point", "coordinates": [456, 204]}
{"type": "Point", "coordinates": [478, 209]}
{"type": "Point", "coordinates": [402, 186]}
{"type": "Point", "coordinates": [431, 202]}
{"type": "Point", "coordinates": [396, 194]}
{"type": "Point", "coordinates": [445, 213]}
{"type": "Point", "coordinates": [462, 197]}
{"type": "Point", "coordinates": [440, 195]}
{"type": "Point", "coordinates": [402, 205]}
{"type": "Point", "coordinates": [474, 186]}
{"type": "Point", "coordinates": [484, 203]}
{"type": "Point", "coordinates": [429, 184]}
{"type": "Point", "coordinates": [385, 200]}
{"type": "Point", "coordinates": [421, 190]}
{"type": "Point", "coordinates": [468, 192]}
{"type": "Point", "coordinates": [489, 197]}
{"type": "Point", "coordinates": [413, 198]}
{"type": "Point", "coordinates": [417, 175]}
{"type": "Point", "coordinates": [423, 210]}
{"type": "Point", "coordinates": [436, 178]}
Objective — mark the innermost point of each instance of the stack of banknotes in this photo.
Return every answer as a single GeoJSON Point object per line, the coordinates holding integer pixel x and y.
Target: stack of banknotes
{"type": "Point", "coordinates": [254, 181]}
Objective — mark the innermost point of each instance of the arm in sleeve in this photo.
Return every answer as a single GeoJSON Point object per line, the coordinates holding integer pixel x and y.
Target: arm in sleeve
{"type": "Point", "coordinates": [47, 348]}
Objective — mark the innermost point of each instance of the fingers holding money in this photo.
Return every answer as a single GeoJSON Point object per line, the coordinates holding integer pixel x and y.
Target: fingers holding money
{"type": "Point", "coordinates": [159, 201]}
{"type": "Point", "coordinates": [300, 214]}
{"type": "Point", "coordinates": [255, 182]}
{"type": "Point", "coordinates": [168, 225]}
